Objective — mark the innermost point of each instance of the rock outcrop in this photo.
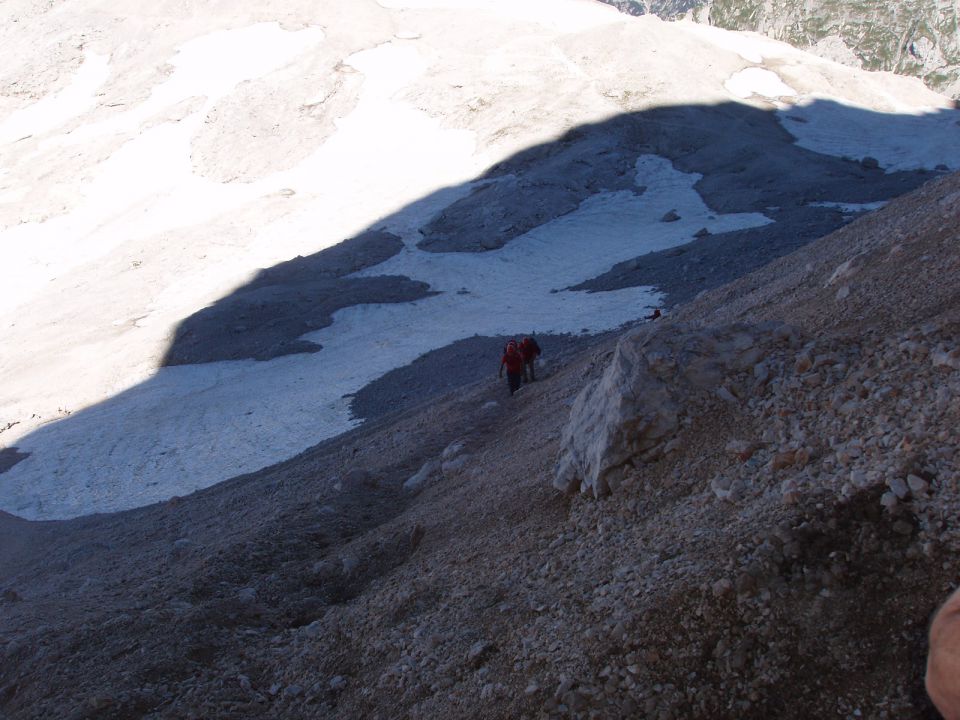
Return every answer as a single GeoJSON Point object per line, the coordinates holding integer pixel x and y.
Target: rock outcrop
{"type": "Point", "coordinates": [916, 37]}
{"type": "Point", "coordinates": [659, 377]}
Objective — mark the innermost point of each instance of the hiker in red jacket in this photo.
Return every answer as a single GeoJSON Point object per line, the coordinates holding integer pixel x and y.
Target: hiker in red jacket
{"type": "Point", "coordinates": [511, 358]}
{"type": "Point", "coordinates": [529, 350]}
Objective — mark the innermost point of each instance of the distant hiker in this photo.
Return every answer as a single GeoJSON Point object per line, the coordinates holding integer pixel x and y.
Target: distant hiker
{"type": "Point", "coordinates": [654, 315]}
{"type": "Point", "coordinates": [943, 659]}
{"type": "Point", "coordinates": [514, 363]}
{"type": "Point", "coordinates": [529, 351]}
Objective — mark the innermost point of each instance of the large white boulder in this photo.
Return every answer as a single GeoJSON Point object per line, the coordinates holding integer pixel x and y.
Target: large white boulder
{"type": "Point", "coordinates": [632, 412]}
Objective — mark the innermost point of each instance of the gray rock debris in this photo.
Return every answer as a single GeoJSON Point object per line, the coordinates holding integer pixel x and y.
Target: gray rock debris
{"type": "Point", "coordinates": [637, 407]}
{"type": "Point", "coordinates": [416, 482]}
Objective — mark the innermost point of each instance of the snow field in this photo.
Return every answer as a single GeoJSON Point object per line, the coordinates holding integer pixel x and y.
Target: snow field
{"type": "Point", "coordinates": [138, 435]}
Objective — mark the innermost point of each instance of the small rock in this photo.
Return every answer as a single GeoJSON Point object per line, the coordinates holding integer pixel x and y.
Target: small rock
{"type": "Point", "coordinates": [849, 407]}
{"type": "Point", "coordinates": [743, 449]}
{"type": "Point", "coordinates": [337, 683]}
{"type": "Point", "coordinates": [11, 595]}
{"type": "Point", "coordinates": [182, 547]}
{"type": "Point", "coordinates": [478, 651]}
{"type": "Point", "coordinates": [247, 595]}
{"type": "Point", "coordinates": [416, 482]}
{"type": "Point", "coordinates": [452, 468]}
{"type": "Point", "coordinates": [99, 702]}
{"type": "Point", "coordinates": [790, 492]}
{"type": "Point", "coordinates": [858, 478]}
{"type": "Point", "coordinates": [701, 233]}
{"type": "Point", "coordinates": [349, 563]}
{"type": "Point", "coordinates": [870, 163]}
{"type": "Point", "coordinates": [917, 484]}
{"type": "Point", "coordinates": [783, 459]}
{"type": "Point", "coordinates": [898, 487]}
{"type": "Point", "coordinates": [722, 587]}
{"type": "Point", "coordinates": [453, 449]}
{"type": "Point", "coordinates": [313, 630]}
{"type": "Point", "coordinates": [324, 569]}
{"type": "Point", "coordinates": [292, 691]}
{"type": "Point", "coordinates": [360, 478]}
{"type": "Point", "coordinates": [670, 216]}
{"type": "Point", "coordinates": [726, 395]}
{"type": "Point", "coordinates": [888, 500]}
{"type": "Point", "coordinates": [244, 683]}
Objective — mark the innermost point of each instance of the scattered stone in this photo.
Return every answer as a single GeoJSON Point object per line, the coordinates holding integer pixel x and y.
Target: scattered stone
{"type": "Point", "coordinates": [783, 459]}
{"type": "Point", "coordinates": [790, 492]}
{"type": "Point", "coordinates": [181, 548]}
{"type": "Point", "coordinates": [722, 587]}
{"type": "Point", "coordinates": [917, 485]}
{"type": "Point", "coordinates": [324, 569]}
{"type": "Point", "coordinates": [670, 216]}
{"type": "Point", "coordinates": [416, 482]}
{"type": "Point", "coordinates": [726, 488]}
{"type": "Point", "coordinates": [743, 449]}
{"type": "Point", "coordinates": [898, 487]}
{"type": "Point", "coordinates": [701, 233]}
{"type": "Point", "coordinates": [10, 595]}
{"type": "Point", "coordinates": [313, 630]}
{"type": "Point", "coordinates": [337, 683]}
{"type": "Point", "coordinates": [247, 595]}
{"type": "Point", "coordinates": [478, 651]}
{"type": "Point", "coordinates": [349, 563]}
{"type": "Point", "coordinates": [452, 468]}
{"type": "Point", "coordinates": [453, 449]}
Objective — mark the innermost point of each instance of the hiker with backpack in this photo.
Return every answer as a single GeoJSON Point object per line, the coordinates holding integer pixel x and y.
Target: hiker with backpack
{"type": "Point", "coordinates": [529, 351]}
{"type": "Point", "coordinates": [514, 363]}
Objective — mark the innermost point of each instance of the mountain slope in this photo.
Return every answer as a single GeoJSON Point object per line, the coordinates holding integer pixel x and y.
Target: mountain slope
{"type": "Point", "coordinates": [782, 559]}
{"type": "Point", "coordinates": [171, 205]}
{"type": "Point", "coordinates": [917, 38]}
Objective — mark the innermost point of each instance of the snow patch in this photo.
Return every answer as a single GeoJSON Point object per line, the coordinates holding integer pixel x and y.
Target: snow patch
{"type": "Point", "coordinates": [909, 139]}
{"type": "Point", "coordinates": [758, 81]}
{"type": "Point", "coordinates": [53, 111]}
{"type": "Point", "coordinates": [189, 427]}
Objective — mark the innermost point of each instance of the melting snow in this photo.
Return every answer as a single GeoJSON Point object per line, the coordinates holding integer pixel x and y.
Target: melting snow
{"type": "Point", "coordinates": [137, 435]}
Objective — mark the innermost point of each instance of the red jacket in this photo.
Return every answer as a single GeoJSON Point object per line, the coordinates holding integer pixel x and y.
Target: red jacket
{"type": "Point", "coordinates": [513, 362]}
{"type": "Point", "coordinates": [529, 350]}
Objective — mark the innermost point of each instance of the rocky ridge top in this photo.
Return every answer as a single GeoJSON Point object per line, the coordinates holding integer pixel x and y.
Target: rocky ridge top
{"type": "Point", "coordinates": [917, 38]}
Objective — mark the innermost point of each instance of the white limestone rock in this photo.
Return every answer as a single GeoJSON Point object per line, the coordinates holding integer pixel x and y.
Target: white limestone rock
{"type": "Point", "coordinates": [637, 407]}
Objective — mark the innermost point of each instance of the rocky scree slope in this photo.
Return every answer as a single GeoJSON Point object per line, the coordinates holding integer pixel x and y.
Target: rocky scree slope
{"type": "Point", "coordinates": [774, 551]}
